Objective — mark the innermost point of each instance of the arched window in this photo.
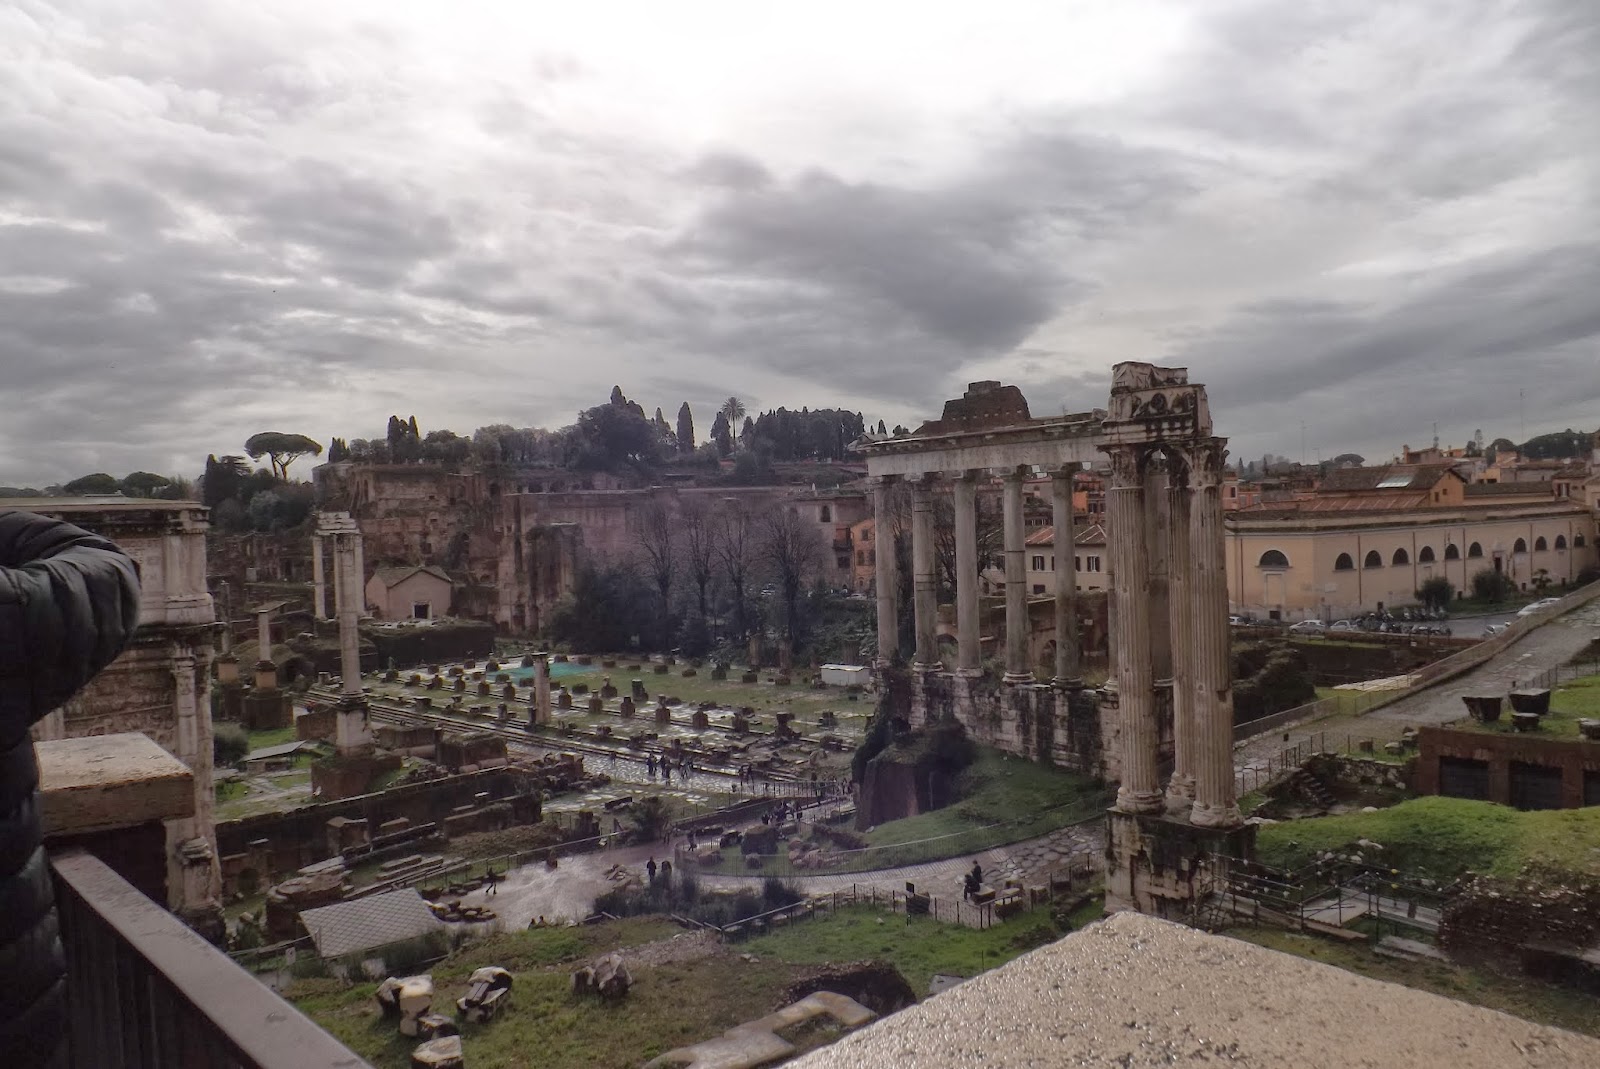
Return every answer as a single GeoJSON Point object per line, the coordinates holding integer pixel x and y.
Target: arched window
{"type": "Point", "coordinates": [1452, 552]}
{"type": "Point", "coordinates": [1540, 545]}
{"type": "Point", "coordinates": [1272, 558]}
{"type": "Point", "coordinates": [1344, 563]}
{"type": "Point", "coordinates": [827, 513]}
{"type": "Point", "coordinates": [1561, 541]}
{"type": "Point", "coordinates": [1578, 542]}
{"type": "Point", "coordinates": [1474, 550]}
{"type": "Point", "coordinates": [1400, 557]}
{"type": "Point", "coordinates": [1521, 546]}
{"type": "Point", "coordinates": [1374, 559]}
{"type": "Point", "coordinates": [1425, 555]}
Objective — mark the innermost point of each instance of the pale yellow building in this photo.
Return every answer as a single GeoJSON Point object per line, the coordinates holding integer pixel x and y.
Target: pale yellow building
{"type": "Point", "coordinates": [1089, 560]}
{"type": "Point", "coordinates": [1371, 537]}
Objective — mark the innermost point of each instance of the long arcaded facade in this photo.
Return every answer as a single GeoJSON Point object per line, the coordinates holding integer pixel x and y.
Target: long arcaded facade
{"type": "Point", "coordinates": [1169, 606]}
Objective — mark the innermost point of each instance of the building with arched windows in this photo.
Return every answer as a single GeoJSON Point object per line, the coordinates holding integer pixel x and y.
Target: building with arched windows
{"type": "Point", "coordinates": [1370, 537]}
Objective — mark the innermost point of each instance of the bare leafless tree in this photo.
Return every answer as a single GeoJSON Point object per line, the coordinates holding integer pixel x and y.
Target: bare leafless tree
{"type": "Point", "coordinates": [734, 543]}
{"type": "Point", "coordinates": [991, 540]}
{"type": "Point", "coordinates": [699, 550]}
{"type": "Point", "coordinates": [791, 551]}
{"type": "Point", "coordinates": [657, 540]}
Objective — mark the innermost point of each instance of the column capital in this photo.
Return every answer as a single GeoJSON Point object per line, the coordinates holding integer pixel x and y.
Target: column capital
{"type": "Point", "coordinates": [1128, 464]}
{"type": "Point", "coordinates": [1017, 474]}
{"type": "Point", "coordinates": [1067, 473]}
{"type": "Point", "coordinates": [1205, 462]}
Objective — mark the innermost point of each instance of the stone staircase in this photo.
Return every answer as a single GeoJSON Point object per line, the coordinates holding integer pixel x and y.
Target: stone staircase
{"type": "Point", "coordinates": [1309, 789]}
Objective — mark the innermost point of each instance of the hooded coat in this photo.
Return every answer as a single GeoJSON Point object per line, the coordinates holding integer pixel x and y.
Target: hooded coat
{"type": "Point", "coordinates": [69, 603]}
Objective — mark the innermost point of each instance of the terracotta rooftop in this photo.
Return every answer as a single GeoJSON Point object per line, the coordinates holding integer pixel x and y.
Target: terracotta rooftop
{"type": "Point", "coordinates": [1534, 489]}
{"type": "Point", "coordinates": [1387, 477]}
{"type": "Point", "coordinates": [393, 575]}
{"type": "Point", "coordinates": [1092, 535]}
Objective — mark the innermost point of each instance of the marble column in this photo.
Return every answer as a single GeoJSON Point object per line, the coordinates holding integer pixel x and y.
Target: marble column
{"type": "Point", "coordinates": [969, 650]}
{"type": "Point", "coordinates": [359, 592]}
{"type": "Point", "coordinates": [1215, 805]}
{"type": "Point", "coordinates": [1140, 789]}
{"type": "Point", "coordinates": [319, 588]}
{"type": "Point", "coordinates": [1158, 539]}
{"type": "Point", "coordinates": [1180, 789]}
{"type": "Point", "coordinates": [925, 592]}
{"type": "Point", "coordinates": [885, 574]}
{"type": "Point", "coordinates": [1068, 671]}
{"type": "Point", "coordinates": [1018, 666]}
{"type": "Point", "coordinates": [541, 688]}
{"type": "Point", "coordinates": [345, 577]}
{"type": "Point", "coordinates": [264, 634]}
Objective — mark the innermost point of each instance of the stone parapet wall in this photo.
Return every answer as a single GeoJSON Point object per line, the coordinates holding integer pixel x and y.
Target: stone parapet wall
{"type": "Point", "coordinates": [1345, 771]}
{"type": "Point", "coordinates": [1065, 728]}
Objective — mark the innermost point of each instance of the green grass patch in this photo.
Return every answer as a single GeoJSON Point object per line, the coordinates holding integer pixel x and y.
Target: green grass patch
{"type": "Point", "coordinates": [671, 1005]}
{"type": "Point", "coordinates": [228, 790]}
{"type": "Point", "coordinates": [1006, 800]}
{"type": "Point", "coordinates": [1569, 703]}
{"type": "Point", "coordinates": [1494, 989]}
{"type": "Point", "coordinates": [1445, 837]}
{"type": "Point", "coordinates": [918, 949]}
{"type": "Point", "coordinates": [271, 737]}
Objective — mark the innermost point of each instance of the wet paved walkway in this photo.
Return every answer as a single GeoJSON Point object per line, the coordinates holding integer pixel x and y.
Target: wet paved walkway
{"type": "Point", "coordinates": [567, 893]}
{"type": "Point", "coordinates": [1547, 647]}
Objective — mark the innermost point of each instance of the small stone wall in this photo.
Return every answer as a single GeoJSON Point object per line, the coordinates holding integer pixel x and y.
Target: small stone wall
{"type": "Point", "coordinates": [1495, 921]}
{"type": "Point", "coordinates": [1041, 723]}
{"type": "Point", "coordinates": [1340, 770]}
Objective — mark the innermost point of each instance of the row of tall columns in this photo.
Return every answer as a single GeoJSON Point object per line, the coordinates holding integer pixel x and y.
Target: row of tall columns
{"type": "Point", "coordinates": [1172, 513]}
{"type": "Point", "coordinates": [1018, 664]}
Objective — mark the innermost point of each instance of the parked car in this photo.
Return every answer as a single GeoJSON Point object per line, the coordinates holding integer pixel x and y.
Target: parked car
{"type": "Point", "coordinates": [1343, 625]}
{"type": "Point", "coordinates": [1308, 627]}
{"type": "Point", "coordinates": [1533, 607]}
{"type": "Point", "coordinates": [1238, 621]}
{"type": "Point", "coordinates": [1494, 629]}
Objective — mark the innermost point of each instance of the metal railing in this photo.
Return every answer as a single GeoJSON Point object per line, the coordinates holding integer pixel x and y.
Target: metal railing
{"type": "Point", "coordinates": [147, 992]}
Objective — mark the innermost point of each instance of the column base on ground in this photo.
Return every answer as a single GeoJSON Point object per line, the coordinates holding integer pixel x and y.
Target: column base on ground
{"type": "Point", "coordinates": [1180, 794]}
{"type": "Point", "coordinates": [1067, 682]}
{"type": "Point", "coordinates": [969, 673]}
{"type": "Point", "coordinates": [1216, 816]}
{"type": "Point", "coordinates": [922, 667]}
{"type": "Point", "coordinates": [1018, 677]}
{"type": "Point", "coordinates": [1163, 865]}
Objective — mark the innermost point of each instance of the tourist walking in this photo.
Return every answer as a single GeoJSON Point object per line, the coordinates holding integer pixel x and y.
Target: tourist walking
{"type": "Point", "coordinates": [650, 869]}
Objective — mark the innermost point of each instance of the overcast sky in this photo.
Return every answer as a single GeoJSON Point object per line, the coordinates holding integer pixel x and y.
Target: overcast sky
{"type": "Point", "coordinates": [220, 217]}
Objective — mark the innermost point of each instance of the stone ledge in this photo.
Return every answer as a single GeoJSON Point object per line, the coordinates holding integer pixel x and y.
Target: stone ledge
{"type": "Point", "coordinates": [104, 782]}
{"type": "Point", "coordinates": [1138, 992]}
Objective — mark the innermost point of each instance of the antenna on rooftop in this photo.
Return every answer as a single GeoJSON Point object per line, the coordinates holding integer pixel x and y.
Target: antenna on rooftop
{"type": "Point", "coordinates": [1436, 435]}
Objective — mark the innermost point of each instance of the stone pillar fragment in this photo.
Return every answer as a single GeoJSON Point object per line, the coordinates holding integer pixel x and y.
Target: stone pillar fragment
{"type": "Point", "coordinates": [1215, 804]}
{"type": "Point", "coordinates": [1180, 789]}
{"type": "Point", "coordinates": [349, 631]}
{"type": "Point", "coordinates": [1140, 790]}
{"type": "Point", "coordinates": [319, 588]}
{"type": "Point", "coordinates": [264, 633]}
{"type": "Point", "coordinates": [1018, 668]}
{"type": "Point", "coordinates": [541, 688]}
{"type": "Point", "coordinates": [1068, 671]}
{"type": "Point", "coordinates": [925, 601]}
{"type": "Point", "coordinates": [885, 576]}
{"type": "Point", "coordinates": [1158, 538]}
{"type": "Point", "coordinates": [968, 640]}
{"type": "Point", "coordinates": [359, 594]}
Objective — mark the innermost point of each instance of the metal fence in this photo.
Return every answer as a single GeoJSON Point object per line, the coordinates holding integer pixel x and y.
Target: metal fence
{"type": "Point", "coordinates": [1345, 703]}
{"type": "Point", "coordinates": [147, 992]}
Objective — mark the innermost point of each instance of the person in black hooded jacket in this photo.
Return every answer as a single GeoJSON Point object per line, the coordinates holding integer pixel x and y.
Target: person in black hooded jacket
{"type": "Point", "coordinates": [69, 602]}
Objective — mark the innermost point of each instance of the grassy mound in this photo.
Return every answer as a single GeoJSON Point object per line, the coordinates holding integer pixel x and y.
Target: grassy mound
{"type": "Point", "coordinates": [997, 788]}
{"type": "Point", "coordinates": [1445, 837]}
